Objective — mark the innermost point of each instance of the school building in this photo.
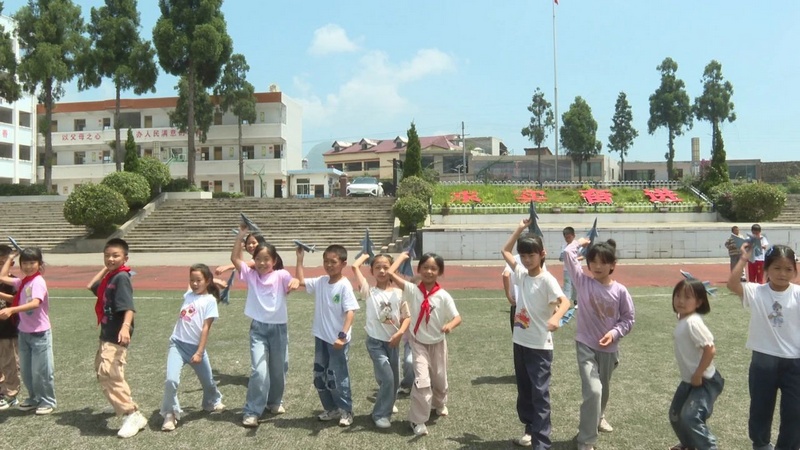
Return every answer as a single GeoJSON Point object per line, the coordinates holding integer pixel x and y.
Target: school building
{"type": "Point", "coordinates": [83, 136]}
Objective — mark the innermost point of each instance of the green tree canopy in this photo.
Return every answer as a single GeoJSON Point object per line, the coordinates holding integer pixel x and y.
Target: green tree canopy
{"type": "Point", "coordinates": [203, 110]}
{"type": "Point", "coordinates": [10, 90]}
{"type": "Point", "coordinates": [234, 93]}
{"type": "Point", "coordinates": [622, 131]}
{"type": "Point", "coordinates": [50, 35]}
{"type": "Point", "coordinates": [716, 107]}
{"type": "Point", "coordinates": [541, 123]}
{"type": "Point", "coordinates": [131, 153]}
{"type": "Point", "coordinates": [670, 108]}
{"type": "Point", "coordinates": [579, 134]}
{"type": "Point", "coordinates": [119, 53]}
{"type": "Point", "coordinates": [192, 41]}
{"type": "Point", "coordinates": [412, 166]}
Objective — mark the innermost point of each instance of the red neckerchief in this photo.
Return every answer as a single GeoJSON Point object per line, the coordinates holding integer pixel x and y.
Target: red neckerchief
{"type": "Point", "coordinates": [18, 294]}
{"type": "Point", "coordinates": [101, 291]}
{"type": "Point", "coordinates": [425, 307]}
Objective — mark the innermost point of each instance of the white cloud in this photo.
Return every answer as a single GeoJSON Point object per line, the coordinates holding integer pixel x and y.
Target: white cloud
{"type": "Point", "coordinates": [331, 39]}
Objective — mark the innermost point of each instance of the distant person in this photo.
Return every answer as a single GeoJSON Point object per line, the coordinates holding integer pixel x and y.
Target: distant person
{"type": "Point", "coordinates": [31, 304]}
{"type": "Point", "coordinates": [733, 250]}
{"type": "Point", "coordinates": [9, 347]}
{"type": "Point", "coordinates": [187, 345]}
{"type": "Point", "coordinates": [115, 313]}
{"type": "Point", "coordinates": [775, 342]}
{"type": "Point", "coordinates": [755, 268]}
{"type": "Point", "coordinates": [701, 382]}
{"type": "Point", "coordinates": [605, 317]}
{"type": "Point", "coordinates": [335, 305]}
{"type": "Point", "coordinates": [569, 287]}
{"type": "Point", "coordinates": [540, 306]}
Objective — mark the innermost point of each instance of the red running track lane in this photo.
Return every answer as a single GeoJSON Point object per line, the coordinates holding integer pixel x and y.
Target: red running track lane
{"type": "Point", "coordinates": [455, 278]}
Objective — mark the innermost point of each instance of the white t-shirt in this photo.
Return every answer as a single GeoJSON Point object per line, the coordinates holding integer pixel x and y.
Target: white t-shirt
{"type": "Point", "coordinates": [443, 310]}
{"type": "Point", "coordinates": [537, 301]}
{"type": "Point", "coordinates": [512, 280]}
{"type": "Point", "coordinates": [332, 301]}
{"type": "Point", "coordinates": [266, 294]}
{"type": "Point", "coordinates": [774, 319]}
{"type": "Point", "coordinates": [385, 311]}
{"type": "Point", "coordinates": [194, 312]}
{"type": "Point", "coordinates": [691, 337]}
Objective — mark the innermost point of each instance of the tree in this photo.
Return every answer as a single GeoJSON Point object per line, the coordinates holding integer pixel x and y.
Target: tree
{"type": "Point", "coordinates": [203, 111]}
{"type": "Point", "coordinates": [622, 131]}
{"type": "Point", "coordinates": [670, 108]}
{"type": "Point", "coordinates": [10, 90]}
{"type": "Point", "coordinates": [715, 106]}
{"type": "Point", "coordinates": [234, 93]}
{"type": "Point", "coordinates": [579, 134]}
{"type": "Point", "coordinates": [50, 35]}
{"type": "Point", "coordinates": [119, 53]}
{"type": "Point", "coordinates": [542, 120]}
{"type": "Point", "coordinates": [717, 172]}
{"type": "Point", "coordinates": [412, 166]}
{"type": "Point", "coordinates": [192, 41]}
{"type": "Point", "coordinates": [131, 153]}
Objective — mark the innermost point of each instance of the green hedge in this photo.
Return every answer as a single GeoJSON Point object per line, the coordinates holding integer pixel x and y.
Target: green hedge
{"type": "Point", "coordinates": [133, 187]}
{"type": "Point", "coordinates": [95, 206]}
{"type": "Point", "coordinates": [8, 190]}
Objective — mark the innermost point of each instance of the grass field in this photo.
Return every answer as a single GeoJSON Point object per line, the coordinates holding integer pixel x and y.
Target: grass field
{"type": "Point", "coordinates": [482, 390]}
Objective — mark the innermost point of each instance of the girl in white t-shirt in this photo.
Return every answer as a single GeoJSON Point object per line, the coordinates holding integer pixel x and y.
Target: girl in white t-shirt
{"type": "Point", "coordinates": [701, 383]}
{"type": "Point", "coordinates": [433, 317]}
{"type": "Point", "coordinates": [187, 345]}
{"type": "Point", "coordinates": [775, 341]}
{"type": "Point", "coordinates": [387, 320]}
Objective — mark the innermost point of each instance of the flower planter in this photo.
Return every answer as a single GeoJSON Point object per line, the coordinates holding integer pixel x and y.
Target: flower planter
{"type": "Point", "coordinates": [581, 210]}
{"type": "Point", "coordinates": [620, 209]}
{"type": "Point", "coordinates": [556, 210]}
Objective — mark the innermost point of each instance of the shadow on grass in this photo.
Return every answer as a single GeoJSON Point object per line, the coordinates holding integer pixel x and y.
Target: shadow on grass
{"type": "Point", "coordinates": [506, 379]}
{"type": "Point", "coordinates": [87, 421]}
{"type": "Point", "coordinates": [230, 380]}
{"type": "Point", "coordinates": [472, 441]}
{"type": "Point", "coordinates": [13, 412]}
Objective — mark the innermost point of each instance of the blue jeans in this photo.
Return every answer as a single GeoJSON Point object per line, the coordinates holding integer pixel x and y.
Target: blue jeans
{"type": "Point", "coordinates": [178, 355]}
{"type": "Point", "coordinates": [385, 363]}
{"type": "Point", "coordinates": [691, 407]}
{"type": "Point", "coordinates": [532, 370]}
{"type": "Point", "coordinates": [408, 366]}
{"type": "Point", "coordinates": [569, 289]}
{"type": "Point", "coordinates": [332, 376]}
{"type": "Point", "coordinates": [268, 343]}
{"type": "Point", "coordinates": [768, 374]}
{"type": "Point", "coordinates": [37, 368]}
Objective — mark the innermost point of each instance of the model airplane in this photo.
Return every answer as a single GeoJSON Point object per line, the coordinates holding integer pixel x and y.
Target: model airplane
{"type": "Point", "coordinates": [366, 247]}
{"type": "Point", "coordinates": [305, 247]}
{"type": "Point", "coordinates": [225, 295]}
{"type": "Point", "coordinates": [533, 226]}
{"type": "Point", "coordinates": [755, 244]}
{"type": "Point", "coordinates": [406, 268]}
{"type": "Point", "coordinates": [707, 284]}
{"type": "Point", "coordinates": [14, 243]}
{"type": "Point", "coordinates": [592, 236]}
{"type": "Point", "coordinates": [249, 224]}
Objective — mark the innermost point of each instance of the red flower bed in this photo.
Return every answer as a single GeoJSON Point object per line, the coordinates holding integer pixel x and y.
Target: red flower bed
{"type": "Point", "coordinates": [596, 196]}
{"type": "Point", "coordinates": [530, 195]}
{"type": "Point", "coordinates": [662, 195]}
{"type": "Point", "coordinates": [465, 197]}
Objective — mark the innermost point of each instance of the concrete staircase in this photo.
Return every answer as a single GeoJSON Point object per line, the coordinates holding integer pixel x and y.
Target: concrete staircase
{"type": "Point", "coordinates": [38, 224]}
{"type": "Point", "coordinates": [791, 212]}
{"type": "Point", "coordinates": [205, 225]}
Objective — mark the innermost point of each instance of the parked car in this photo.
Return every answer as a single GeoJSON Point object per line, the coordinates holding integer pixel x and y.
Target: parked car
{"type": "Point", "coordinates": [366, 186]}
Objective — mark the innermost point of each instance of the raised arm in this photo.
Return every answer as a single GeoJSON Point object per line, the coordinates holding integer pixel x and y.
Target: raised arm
{"type": "Point", "coordinates": [4, 271]}
{"type": "Point", "coordinates": [508, 256]}
{"type": "Point", "coordinates": [298, 271]}
{"type": "Point", "coordinates": [363, 284]}
{"type": "Point", "coordinates": [734, 282]}
{"type": "Point", "coordinates": [96, 279]}
{"type": "Point", "coordinates": [236, 253]}
{"type": "Point", "coordinates": [398, 279]}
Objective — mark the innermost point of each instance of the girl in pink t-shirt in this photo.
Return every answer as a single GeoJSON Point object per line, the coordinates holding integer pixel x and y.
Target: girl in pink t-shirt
{"type": "Point", "coordinates": [31, 305]}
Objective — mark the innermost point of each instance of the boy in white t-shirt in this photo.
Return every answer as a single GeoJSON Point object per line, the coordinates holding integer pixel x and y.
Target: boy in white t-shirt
{"type": "Point", "coordinates": [334, 310]}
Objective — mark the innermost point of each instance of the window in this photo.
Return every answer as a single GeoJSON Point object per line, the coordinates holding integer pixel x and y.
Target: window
{"type": "Point", "coordinates": [303, 186]}
{"type": "Point", "coordinates": [80, 158]}
{"type": "Point", "coordinates": [277, 151]}
{"type": "Point", "coordinates": [24, 119]}
{"type": "Point", "coordinates": [24, 153]}
{"type": "Point", "coordinates": [639, 175]}
{"type": "Point", "coordinates": [107, 123]}
{"type": "Point", "coordinates": [353, 166]}
{"type": "Point", "coordinates": [335, 166]}
{"type": "Point", "coordinates": [218, 118]}
{"type": "Point", "coordinates": [217, 153]}
{"type": "Point", "coordinates": [372, 165]}
{"type": "Point", "coordinates": [427, 161]}
{"type": "Point", "coordinates": [148, 121]}
{"type": "Point", "coordinates": [6, 115]}
{"type": "Point", "coordinates": [203, 153]}
{"type": "Point", "coordinates": [248, 152]}
{"type": "Point", "coordinates": [106, 158]}
{"type": "Point", "coordinates": [6, 151]}
{"type": "Point", "coordinates": [130, 120]}
{"type": "Point", "coordinates": [679, 173]}
{"type": "Point", "coordinates": [53, 126]}
{"type": "Point", "coordinates": [80, 124]}
{"type": "Point", "coordinates": [204, 185]}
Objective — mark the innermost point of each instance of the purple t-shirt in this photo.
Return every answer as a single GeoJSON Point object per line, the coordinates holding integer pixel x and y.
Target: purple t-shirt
{"type": "Point", "coordinates": [603, 308]}
{"type": "Point", "coordinates": [34, 320]}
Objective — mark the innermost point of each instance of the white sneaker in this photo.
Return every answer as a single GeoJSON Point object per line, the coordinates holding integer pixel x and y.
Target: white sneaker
{"type": "Point", "coordinates": [442, 411]}
{"type": "Point", "coordinates": [169, 422]}
{"type": "Point", "coordinates": [218, 408]}
{"type": "Point", "coordinates": [394, 409]}
{"type": "Point", "coordinates": [604, 426]}
{"type": "Point", "coordinates": [277, 409]}
{"type": "Point", "coordinates": [585, 447]}
{"type": "Point", "coordinates": [403, 391]}
{"type": "Point", "coordinates": [346, 420]}
{"type": "Point", "coordinates": [383, 422]}
{"type": "Point", "coordinates": [133, 423]}
{"type": "Point", "coordinates": [250, 421]}
{"type": "Point", "coordinates": [329, 415]}
{"type": "Point", "coordinates": [43, 410]}
{"type": "Point", "coordinates": [419, 429]}
{"type": "Point", "coordinates": [524, 441]}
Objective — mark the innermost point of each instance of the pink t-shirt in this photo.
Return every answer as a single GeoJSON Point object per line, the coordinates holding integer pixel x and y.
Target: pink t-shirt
{"type": "Point", "coordinates": [34, 320]}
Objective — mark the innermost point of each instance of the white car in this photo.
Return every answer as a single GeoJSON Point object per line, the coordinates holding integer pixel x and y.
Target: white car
{"type": "Point", "coordinates": [367, 186]}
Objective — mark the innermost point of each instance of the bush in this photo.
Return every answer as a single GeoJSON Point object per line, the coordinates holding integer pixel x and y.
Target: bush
{"type": "Point", "coordinates": [155, 172]}
{"type": "Point", "coordinates": [411, 211]}
{"type": "Point", "coordinates": [415, 187]}
{"type": "Point", "coordinates": [227, 195]}
{"type": "Point", "coordinates": [96, 207]}
{"type": "Point", "coordinates": [180, 185]}
{"type": "Point", "coordinates": [722, 196]}
{"type": "Point", "coordinates": [7, 190]}
{"type": "Point", "coordinates": [793, 184]}
{"type": "Point", "coordinates": [132, 186]}
{"type": "Point", "coordinates": [757, 202]}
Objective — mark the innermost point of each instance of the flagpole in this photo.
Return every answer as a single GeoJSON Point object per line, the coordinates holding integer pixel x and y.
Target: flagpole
{"type": "Point", "coordinates": [555, 85]}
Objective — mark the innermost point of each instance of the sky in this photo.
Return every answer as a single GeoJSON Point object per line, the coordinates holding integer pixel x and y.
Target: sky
{"type": "Point", "coordinates": [368, 69]}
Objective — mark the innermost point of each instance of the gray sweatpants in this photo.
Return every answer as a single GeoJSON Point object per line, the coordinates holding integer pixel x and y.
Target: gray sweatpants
{"type": "Point", "coordinates": [595, 368]}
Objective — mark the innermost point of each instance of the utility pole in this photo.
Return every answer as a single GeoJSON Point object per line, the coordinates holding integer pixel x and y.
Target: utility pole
{"type": "Point", "coordinates": [555, 86]}
{"type": "Point", "coordinates": [463, 154]}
